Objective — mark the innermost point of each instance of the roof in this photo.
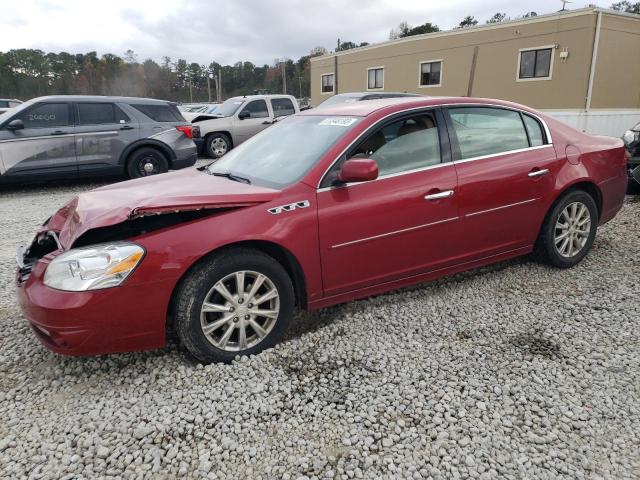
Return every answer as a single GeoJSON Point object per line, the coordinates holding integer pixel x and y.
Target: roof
{"type": "Point", "coordinates": [264, 96]}
{"type": "Point", "coordinates": [97, 99]}
{"type": "Point", "coordinates": [478, 28]}
{"type": "Point", "coordinates": [363, 109]}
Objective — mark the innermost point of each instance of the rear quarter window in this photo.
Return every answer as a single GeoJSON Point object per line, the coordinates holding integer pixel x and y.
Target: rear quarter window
{"type": "Point", "coordinates": [161, 113]}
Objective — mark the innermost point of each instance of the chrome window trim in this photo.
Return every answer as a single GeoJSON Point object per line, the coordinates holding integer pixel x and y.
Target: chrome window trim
{"type": "Point", "coordinates": [547, 132]}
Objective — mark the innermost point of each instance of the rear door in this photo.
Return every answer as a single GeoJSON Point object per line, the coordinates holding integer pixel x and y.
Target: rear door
{"type": "Point", "coordinates": [103, 131]}
{"type": "Point", "coordinates": [505, 165]}
{"type": "Point", "coordinates": [46, 145]}
{"type": "Point", "coordinates": [260, 117]}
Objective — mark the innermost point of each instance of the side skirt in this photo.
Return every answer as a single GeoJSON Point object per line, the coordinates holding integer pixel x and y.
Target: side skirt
{"type": "Point", "coordinates": [415, 279]}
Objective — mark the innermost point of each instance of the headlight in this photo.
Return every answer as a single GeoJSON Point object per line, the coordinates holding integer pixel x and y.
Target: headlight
{"type": "Point", "coordinates": [90, 268]}
{"type": "Point", "coordinates": [629, 136]}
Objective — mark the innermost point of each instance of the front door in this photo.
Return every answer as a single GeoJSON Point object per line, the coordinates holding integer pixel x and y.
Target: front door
{"type": "Point", "coordinates": [45, 146]}
{"type": "Point", "coordinates": [254, 117]}
{"type": "Point", "coordinates": [506, 168]}
{"type": "Point", "coordinates": [403, 223]}
{"type": "Point", "coordinates": [102, 133]}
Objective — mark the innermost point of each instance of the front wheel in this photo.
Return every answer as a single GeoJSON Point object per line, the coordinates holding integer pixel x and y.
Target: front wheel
{"type": "Point", "coordinates": [236, 303]}
{"type": "Point", "coordinates": [217, 144]}
{"type": "Point", "coordinates": [569, 230]}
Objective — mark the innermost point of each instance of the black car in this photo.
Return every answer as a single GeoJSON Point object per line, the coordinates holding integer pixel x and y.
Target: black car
{"type": "Point", "coordinates": [632, 143]}
{"type": "Point", "coordinates": [359, 96]}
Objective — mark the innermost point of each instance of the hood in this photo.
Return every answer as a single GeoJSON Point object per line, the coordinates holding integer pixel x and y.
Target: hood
{"type": "Point", "coordinates": [181, 191]}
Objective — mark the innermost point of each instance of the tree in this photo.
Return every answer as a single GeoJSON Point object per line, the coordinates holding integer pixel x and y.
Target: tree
{"type": "Point", "coordinates": [400, 31]}
{"type": "Point", "coordinates": [467, 22]}
{"type": "Point", "coordinates": [130, 56]}
{"type": "Point", "coordinates": [318, 51]}
{"type": "Point", "coordinates": [498, 17]}
{"type": "Point", "coordinates": [422, 29]}
{"type": "Point", "coordinates": [345, 46]}
{"type": "Point", "coordinates": [626, 6]}
{"type": "Point", "coordinates": [530, 14]}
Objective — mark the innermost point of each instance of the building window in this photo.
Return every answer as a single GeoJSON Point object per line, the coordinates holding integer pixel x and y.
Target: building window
{"type": "Point", "coordinates": [375, 78]}
{"type": "Point", "coordinates": [431, 73]}
{"type": "Point", "coordinates": [535, 63]}
{"type": "Point", "coordinates": [327, 83]}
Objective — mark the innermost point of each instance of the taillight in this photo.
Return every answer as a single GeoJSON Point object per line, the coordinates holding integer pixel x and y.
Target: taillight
{"type": "Point", "coordinates": [186, 129]}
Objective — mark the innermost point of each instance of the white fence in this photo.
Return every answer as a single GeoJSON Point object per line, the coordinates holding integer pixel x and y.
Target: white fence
{"type": "Point", "coordinates": [598, 122]}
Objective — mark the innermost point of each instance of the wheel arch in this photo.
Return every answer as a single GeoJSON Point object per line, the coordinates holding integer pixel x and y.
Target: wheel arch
{"type": "Point", "coordinates": [225, 132]}
{"type": "Point", "coordinates": [147, 142]}
{"type": "Point", "coordinates": [276, 251]}
{"type": "Point", "coordinates": [585, 185]}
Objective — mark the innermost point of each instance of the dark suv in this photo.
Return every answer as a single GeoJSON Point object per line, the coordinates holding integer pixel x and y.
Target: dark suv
{"type": "Point", "coordinates": [68, 136]}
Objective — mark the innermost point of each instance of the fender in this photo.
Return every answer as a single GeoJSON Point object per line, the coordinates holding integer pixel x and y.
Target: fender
{"type": "Point", "coordinates": [147, 142]}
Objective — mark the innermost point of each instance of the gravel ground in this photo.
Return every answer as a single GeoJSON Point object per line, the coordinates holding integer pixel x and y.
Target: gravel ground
{"type": "Point", "coordinates": [512, 371]}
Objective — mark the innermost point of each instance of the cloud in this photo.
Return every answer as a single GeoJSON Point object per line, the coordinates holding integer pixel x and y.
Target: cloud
{"type": "Point", "coordinates": [227, 31]}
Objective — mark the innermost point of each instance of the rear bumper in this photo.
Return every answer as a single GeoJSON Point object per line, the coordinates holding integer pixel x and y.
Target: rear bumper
{"type": "Point", "coordinates": [121, 319]}
{"type": "Point", "coordinates": [189, 161]}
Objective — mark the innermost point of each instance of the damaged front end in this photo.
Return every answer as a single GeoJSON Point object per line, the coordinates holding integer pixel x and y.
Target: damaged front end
{"type": "Point", "coordinates": [631, 140]}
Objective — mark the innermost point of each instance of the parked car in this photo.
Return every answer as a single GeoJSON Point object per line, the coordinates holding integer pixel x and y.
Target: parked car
{"type": "Point", "coordinates": [324, 207]}
{"type": "Point", "coordinates": [240, 118]}
{"type": "Point", "coordinates": [632, 143]}
{"type": "Point", "coordinates": [205, 112]}
{"type": "Point", "coordinates": [8, 104]}
{"type": "Point", "coordinates": [360, 96]}
{"type": "Point", "coordinates": [68, 136]}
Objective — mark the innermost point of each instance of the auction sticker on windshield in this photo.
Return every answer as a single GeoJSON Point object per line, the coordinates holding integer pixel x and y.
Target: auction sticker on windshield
{"type": "Point", "coordinates": [339, 122]}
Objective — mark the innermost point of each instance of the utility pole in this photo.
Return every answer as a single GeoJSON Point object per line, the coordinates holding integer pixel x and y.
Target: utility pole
{"type": "Point", "coordinates": [284, 78]}
{"type": "Point", "coordinates": [190, 89]}
{"type": "Point", "coordinates": [209, 85]}
{"type": "Point", "coordinates": [300, 85]}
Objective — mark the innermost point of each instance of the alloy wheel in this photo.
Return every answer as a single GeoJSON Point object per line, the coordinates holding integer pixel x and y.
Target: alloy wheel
{"type": "Point", "coordinates": [219, 146]}
{"type": "Point", "coordinates": [572, 229]}
{"type": "Point", "coordinates": [240, 310]}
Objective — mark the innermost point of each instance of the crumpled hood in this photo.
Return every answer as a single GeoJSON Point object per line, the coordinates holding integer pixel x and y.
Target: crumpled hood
{"type": "Point", "coordinates": [185, 190]}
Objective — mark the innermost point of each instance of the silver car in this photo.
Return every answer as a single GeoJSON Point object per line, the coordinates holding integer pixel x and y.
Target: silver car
{"type": "Point", "coordinates": [70, 136]}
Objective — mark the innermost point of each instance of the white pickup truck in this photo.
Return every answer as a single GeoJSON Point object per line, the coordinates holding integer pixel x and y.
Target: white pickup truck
{"type": "Point", "coordinates": [240, 118]}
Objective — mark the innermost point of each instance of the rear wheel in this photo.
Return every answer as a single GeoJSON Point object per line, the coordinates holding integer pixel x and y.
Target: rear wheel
{"type": "Point", "coordinates": [236, 303]}
{"type": "Point", "coordinates": [569, 230]}
{"type": "Point", "coordinates": [217, 144]}
{"type": "Point", "coordinates": [145, 162]}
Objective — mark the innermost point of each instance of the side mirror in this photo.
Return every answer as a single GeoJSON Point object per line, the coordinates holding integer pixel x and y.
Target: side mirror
{"type": "Point", "coordinates": [14, 125]}
{"type": "Point", "coordinates": [358, 170]}
{"type": "Point", "coordinates": [244, 114]}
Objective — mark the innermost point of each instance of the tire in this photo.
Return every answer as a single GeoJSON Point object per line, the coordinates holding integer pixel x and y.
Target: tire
{"type": "Point", "coordinates": [552, 247]}
{"type": "Point", "coordinates": [202, 285]}
{"type": "Point", "coordinates": [217, 144]}
{"type": "Point", "coordinates": [146, 161]}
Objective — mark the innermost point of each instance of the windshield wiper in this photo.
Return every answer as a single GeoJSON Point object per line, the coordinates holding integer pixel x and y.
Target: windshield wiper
{"type": "Point", "coordinates": [231, 176]}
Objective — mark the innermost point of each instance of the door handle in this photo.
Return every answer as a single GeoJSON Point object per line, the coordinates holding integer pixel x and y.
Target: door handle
{"type": "Point", "coordinates": [439, 195]}
{"type": "Point", "coordinates": [59, 132]}
{"type": "Point", "coordinates": [126, 127]}
{"type": "Point", "coordinates": [269, 122]}
{"type": "Point", "coordinates": [538, 173]}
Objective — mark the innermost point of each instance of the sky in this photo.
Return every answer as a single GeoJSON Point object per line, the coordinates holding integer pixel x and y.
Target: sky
{"type": "Point", "coordinates": [227, 31]}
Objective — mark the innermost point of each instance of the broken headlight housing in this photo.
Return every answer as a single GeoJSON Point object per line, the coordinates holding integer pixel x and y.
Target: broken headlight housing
{"type": "Point", "coordinates": [90, 268]}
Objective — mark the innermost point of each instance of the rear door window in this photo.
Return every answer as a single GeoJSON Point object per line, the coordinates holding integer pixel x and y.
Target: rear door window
{"type": "Point", "coordinates": [161, 113]}
{"type": "Point", "coordinates": [534, 130]}
{"type": "Point", "coordinates": [282, 107]}
{"type": "Point", "coordinates": [486, 131]}
{"type": "Point", "coordinates": [100, 114]}
{"type": "Point", "coordinates": [46, 115]}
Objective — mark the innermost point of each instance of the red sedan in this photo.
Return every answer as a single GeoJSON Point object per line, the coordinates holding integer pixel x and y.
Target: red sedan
{"type": "Point", "coordinates": [324, 207]}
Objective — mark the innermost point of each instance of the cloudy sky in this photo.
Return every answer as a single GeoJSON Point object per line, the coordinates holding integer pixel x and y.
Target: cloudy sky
{"type": "Point", "coordinates": [230, 30]}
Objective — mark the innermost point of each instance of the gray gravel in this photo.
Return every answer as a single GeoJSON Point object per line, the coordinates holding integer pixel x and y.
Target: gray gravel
{"type": "Point", "coordinates": [512, 371]}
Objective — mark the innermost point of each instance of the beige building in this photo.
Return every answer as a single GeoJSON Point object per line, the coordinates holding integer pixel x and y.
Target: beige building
{"type": "Point", "coordinates": [582, 66]}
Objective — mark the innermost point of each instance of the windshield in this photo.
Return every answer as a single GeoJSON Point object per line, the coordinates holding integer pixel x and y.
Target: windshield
{"type": "Point", "coordinates": [283, 153]}
{"type": "Point", "coordinates": [229, 107]}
